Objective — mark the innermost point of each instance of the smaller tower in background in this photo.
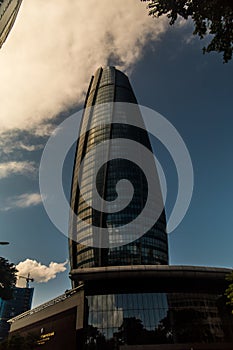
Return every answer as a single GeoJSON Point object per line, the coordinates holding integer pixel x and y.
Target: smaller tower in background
{"type": "Point", "coordinates": [21, 302]}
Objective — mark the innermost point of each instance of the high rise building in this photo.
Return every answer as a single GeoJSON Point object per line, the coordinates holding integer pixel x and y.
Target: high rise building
{"type": "Point", "coordinates": [8, 13]}
{"type": "Point", "coordinates": [21, 302]}
{"type": "Point", "coordinates": [107, 86]}
{"type": "Point", "coordinates": [126, 297]}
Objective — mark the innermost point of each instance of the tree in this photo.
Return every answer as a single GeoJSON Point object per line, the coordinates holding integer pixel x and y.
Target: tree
{"type": "Point", "coordinates": [214, 17]}
{"type": "Point", "coordinates": [7, 278]}
{"type": "Point", "coordinates": [18, 342]}
{"type": "Point", "coordinates": [229, 290]}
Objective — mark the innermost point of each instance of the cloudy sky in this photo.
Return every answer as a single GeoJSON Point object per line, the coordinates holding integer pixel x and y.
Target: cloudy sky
{"type": "Point", "coordinates": [46, 65]}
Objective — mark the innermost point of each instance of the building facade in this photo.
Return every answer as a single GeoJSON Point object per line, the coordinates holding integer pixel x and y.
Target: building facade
{"type": "Point", "coordinates": [156, 307]}
{"type": "Point", "coordinates": [101, 122]}
{"type": "Point", "coordinates": [146, 307]}
{"type": "Point", "coordinates": [21, 302]}
{"type": "Point", "coordinates": [125, 297]}
{"type": "Point", "coordinates": [8, 13]}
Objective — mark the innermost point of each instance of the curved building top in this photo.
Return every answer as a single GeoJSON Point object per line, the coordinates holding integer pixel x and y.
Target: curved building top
{"type": "Point", "coordinates": [166, 278]}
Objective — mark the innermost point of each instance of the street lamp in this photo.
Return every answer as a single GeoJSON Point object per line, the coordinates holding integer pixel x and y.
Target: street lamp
{"type": "Point", "coordinates": [4, 243]}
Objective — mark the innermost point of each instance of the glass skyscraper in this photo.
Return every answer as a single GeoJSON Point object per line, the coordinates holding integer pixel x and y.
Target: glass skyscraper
{"type": "Point", "coordinates": [98, 124]}
{"type": "Point", "coordinates": [126, 296]}
{"type": "Point", "coordinates": [21, 302]}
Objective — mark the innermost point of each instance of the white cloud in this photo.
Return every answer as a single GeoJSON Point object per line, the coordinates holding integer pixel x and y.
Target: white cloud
{"type": "Point", "coordinates": [40, 273]}
{"type": "Point", "coordinates": [43, 129]}
{"type": "Point", "coordinates": [21, 168]}
{"type": "Point", "coordinates": [22, 201]}
{"type": "Point", "coordinates": [54, 47]}
{"type": "Point", "coordinates": [29, 148]}
{"type": "Point", "coordinates": [11, 147]}
{"type": "Point", "coordinates": [15, 140]}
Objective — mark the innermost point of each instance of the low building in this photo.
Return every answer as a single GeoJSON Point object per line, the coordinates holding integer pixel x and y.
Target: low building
{"type": "Point", "coordinates": [133, 308]}
{"type": "Point", "coordinates": [54, 324]}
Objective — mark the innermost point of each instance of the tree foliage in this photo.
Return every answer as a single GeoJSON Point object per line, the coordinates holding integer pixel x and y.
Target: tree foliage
{"type": "Point", "coordinates": [214, 17]}
{"type": "Point", "coordinates": [7, 278]}
{"type": "Point", "coordinates": [18, 342]}
{"type": "Point", "coordinates": [229, 290]}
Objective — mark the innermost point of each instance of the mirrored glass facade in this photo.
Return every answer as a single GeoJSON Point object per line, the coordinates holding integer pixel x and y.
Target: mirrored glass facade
{"type": "Point", "coordinates": [107, 86]}
{"type": "Point", "coordinates": [115, 320]}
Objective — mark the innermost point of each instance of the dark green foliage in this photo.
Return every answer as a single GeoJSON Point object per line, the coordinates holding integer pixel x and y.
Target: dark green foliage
{"type": "Point", "coordinates": [7, 278]}
{"type": "Point", "coordinates": [17, 342]}
{"type": "Point", "coordinates": [229, 291]}
{"type": "Point", "coordinates": [213, 17]}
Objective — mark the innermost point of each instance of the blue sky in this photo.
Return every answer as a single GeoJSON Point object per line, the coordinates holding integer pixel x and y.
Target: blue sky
{"type": "Point", "coordinates": [194, 92]}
